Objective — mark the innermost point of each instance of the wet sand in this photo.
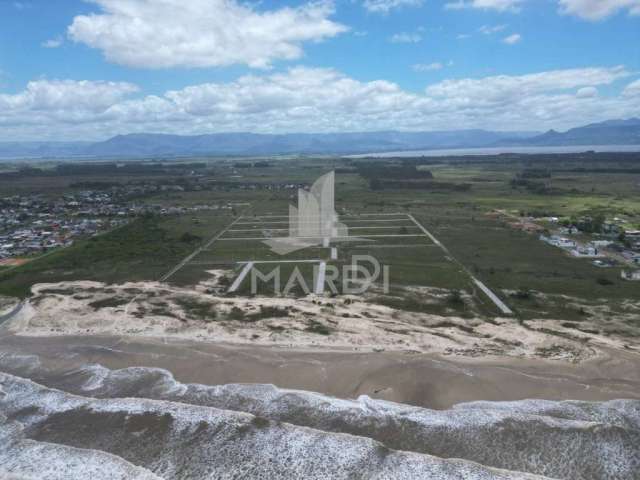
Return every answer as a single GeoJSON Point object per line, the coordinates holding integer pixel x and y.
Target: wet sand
{"type": "Point", "coordinates": [427, 380]}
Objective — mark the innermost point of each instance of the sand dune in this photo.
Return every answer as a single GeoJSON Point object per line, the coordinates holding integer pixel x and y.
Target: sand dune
{"type": "Point", "coordinates": [151, 309]}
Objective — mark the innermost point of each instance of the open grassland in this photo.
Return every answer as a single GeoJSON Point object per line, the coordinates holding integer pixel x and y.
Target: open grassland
{"type": "Point", "coordinates": [145, 249]}
{"type": "Point", "coordinates": [530, 276]}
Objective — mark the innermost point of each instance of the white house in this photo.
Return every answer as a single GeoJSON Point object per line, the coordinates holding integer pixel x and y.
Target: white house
{"type": "Point", "coordinates": [631, 276]}
{"type": "Point", "coordinates": [585, 252]}
{"type": "Point", "coordinates": [558, 241]}
{"type": "Point", "coordinates": [601, 243]}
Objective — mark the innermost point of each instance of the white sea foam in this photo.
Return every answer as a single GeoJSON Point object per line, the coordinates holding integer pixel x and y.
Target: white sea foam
{"type": "Point", "coordinates": [187, 441]}
{"type": "Point", "coordinates": [569, 440]}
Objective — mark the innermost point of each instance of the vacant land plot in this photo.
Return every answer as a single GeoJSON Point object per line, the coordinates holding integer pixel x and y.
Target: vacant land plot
{"type": "Point", "coordinates": [393, 240]}
{"type": "Point", "coordinates": [531, 277]}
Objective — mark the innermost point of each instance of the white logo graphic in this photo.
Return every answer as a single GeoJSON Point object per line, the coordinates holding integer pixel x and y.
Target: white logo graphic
{"type": "Point", "coordinates": [314, 222]}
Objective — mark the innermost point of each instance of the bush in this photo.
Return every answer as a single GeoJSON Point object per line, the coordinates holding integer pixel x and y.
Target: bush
{"type": "Point", "coordinates": [455, 298]}
{"type": "Point", "coordinates": [319, 328]}
{"type": "Point", "coordinates": [236, 313]}
{"type": "Point", "coordinates": [523, 293]}
{"type": "Point", "coordinates": [188, 237]}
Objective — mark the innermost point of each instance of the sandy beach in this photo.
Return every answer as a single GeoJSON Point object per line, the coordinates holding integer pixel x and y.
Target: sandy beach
{"type": "Point", "coordinates": [351, 323]}
{"type": "Point", "coordinates": [412, 395]}
{"type": "Point", "coordinates": [428, 380]}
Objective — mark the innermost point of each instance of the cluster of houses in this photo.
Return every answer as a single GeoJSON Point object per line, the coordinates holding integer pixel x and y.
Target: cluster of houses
{"type": "Point", "coordinates": [33, 224]}
{"type": "Point", "coordinates": [235, 184]}
{"type": "Point", "coordinates": [48, 233]}
{"type": "Point", "coordinates": [592, 249]}
{"type": "Point", "coordinates": [612, 242]}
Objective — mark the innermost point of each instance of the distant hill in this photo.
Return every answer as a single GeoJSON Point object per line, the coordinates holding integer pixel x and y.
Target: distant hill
{"type": "Point", "coordinates": [41, 149]}
{"type": "Point", "coordinates": [150, 145]}
{"type": "Point", "coordinates": [260, 144]}
{"type": "Point", "coordinates": [611, 132]}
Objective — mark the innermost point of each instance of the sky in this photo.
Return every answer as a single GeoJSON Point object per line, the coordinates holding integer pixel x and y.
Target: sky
{"type": "Point", "coordinates": [90, 69]}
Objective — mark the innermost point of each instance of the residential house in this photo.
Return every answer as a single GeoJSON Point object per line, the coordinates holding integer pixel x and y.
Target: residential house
{"type": "Point", "coordinates": [631, 276]}
{"type": "Point", "coordinates": [585, 251]}
{"type": "Point", "coordinates": [558, 241]}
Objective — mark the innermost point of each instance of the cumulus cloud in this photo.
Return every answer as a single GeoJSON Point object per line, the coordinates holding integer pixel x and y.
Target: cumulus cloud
{"type": "Point", "coordinates": [585, 9]}
{"type": "Point", "coordinates": [405, 37]}
{"type": "Point", "coordinates": [317, 100]}
{"type": "Point", "coordinates": [502, 87]}
{"type": "Point", "coordinates": [385, 6]}
{"type": "Point", "coordinates": [632, 90]}
{"type": "Point", "coordinates": [427, 67]}
{"type": "Point", "coordinates": [201, 33]}
{"type": "Point", "coordinates": [598, 9]}
{"type": "Point", "coordinates": [500, 5]}
{"type": "Point", "coordinates": [491, 29]}
{"type": "Point", "coordinates": [53, 43]}
{"type": "Point", "coordinates": [587, 92]}
{"type": "Point", "coordinates": [512, 39]}
{"type": "Point", "coordinates": [67, 95]}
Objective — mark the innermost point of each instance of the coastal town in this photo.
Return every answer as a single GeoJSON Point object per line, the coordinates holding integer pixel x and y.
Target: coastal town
{"type": "Point", "coordinates": [607, 243]}
{"type": "Point", "coordinates": [33, 225]}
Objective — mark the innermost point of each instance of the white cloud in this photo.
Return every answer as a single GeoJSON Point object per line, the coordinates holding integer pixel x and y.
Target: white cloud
{"type": "Point", "coordinates": [586, 9]}
{"type": "Point", "coordinates": [405, 37]}
{"type": "Point", "coordinates": [632, 90]}
{"type": "Point", "coordinates": [598, 9]}
{"type": "Point", "coordinates": [201, 33]}
{"type": "Point", "coordinates": [500, 5]}
{"type": "Point", "coordinates": [385, 6]}
{"type": "Point", "coordinates": [512, 39]}
{"type": "Point", "coordinates": [66, 95]}
{"type": "Point", "coordinates": [53, 43]}
{"type": "Point", "coordinates": [587, 92]}
{"type": "Point", "coordinates": [426, 67]}
{"type": "Point", "coordinates": [501, 87]}
{"type": "Point", "coordinates": [491, 29]}
{"type": "Point", "coordinates": [316, 100]}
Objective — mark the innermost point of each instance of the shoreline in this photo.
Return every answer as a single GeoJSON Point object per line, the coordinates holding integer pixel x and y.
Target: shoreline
{"type": "Point", "coordinates": [420, 379]}
{"type": "Point", "coordinates": [364, 348]}
{"type": "Point", "coordinates": [158, 310]}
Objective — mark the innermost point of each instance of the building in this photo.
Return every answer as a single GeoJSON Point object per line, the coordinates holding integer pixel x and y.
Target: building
{"type": "Point", "coordinates": [631, 276]}
{"type": "Point", "coordinates": [558, 241]}
{"type": "Point", "coordinates": [587, 251]}
{"type": "Point", "coordinates": [601, 243]}
{"type": "Point", "coordinates": [632, 235]}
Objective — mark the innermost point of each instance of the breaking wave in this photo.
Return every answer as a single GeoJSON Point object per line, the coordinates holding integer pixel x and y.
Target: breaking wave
{"type": "Point", "coordinates": [144, 418]}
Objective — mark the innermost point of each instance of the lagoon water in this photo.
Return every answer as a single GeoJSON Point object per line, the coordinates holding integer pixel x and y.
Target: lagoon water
{"type": "Point", "coordinates": [502, 150]}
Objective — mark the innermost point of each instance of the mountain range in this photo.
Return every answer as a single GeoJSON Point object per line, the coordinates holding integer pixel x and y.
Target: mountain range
{"type": "Point", "coordinates": [139, 145]}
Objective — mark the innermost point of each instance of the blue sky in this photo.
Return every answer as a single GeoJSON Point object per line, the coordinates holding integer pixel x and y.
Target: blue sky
{"type": "Point", "coordinates": [91, 69]}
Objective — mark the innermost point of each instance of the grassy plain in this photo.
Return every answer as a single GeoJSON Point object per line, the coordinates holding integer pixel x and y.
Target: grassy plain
{"type": "Point", "coordinates": [505, 259]}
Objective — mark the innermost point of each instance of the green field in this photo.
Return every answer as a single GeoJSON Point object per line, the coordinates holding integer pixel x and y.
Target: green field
{"type": "Point", "coordinates": [506, 260]}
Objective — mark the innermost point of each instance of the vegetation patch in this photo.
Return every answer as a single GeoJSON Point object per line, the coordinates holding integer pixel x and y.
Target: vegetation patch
{"type": "Point", "coordinates": [317, 327]}
{"type": "Point", "coordinates": [109, 302]}
{"type": "Point", "coordinates": [197, 309]}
